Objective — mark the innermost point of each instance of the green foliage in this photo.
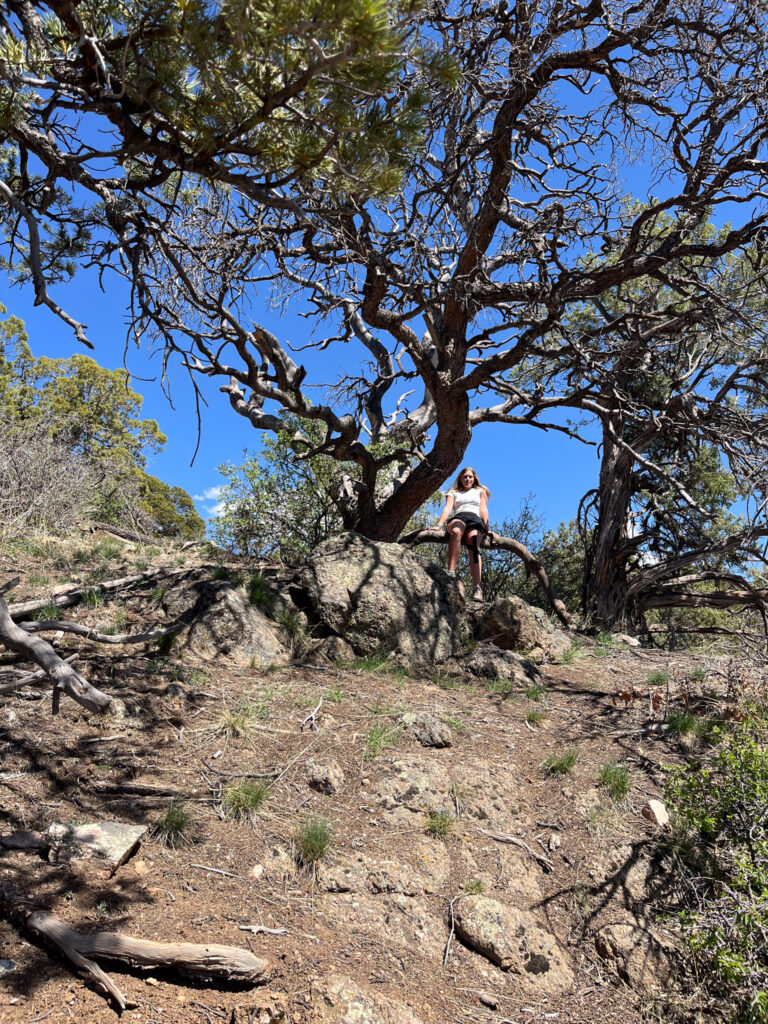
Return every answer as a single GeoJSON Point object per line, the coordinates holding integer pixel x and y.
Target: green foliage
{"type": "Point", "coordinates": [500, 686]}
{"type": "Point", "coordinates": [170, 509]}
{"type": "Point", "coordinates": [657, 678]}
{"type": "Point", "coordinates": [614, 777]}
{"type": "Point", "coordinates": [258, 591]}
{"type": "Point", "coordinates": [718, 808]}
{"type": "Point", "coordinates": [535, 716]}
{"type": "Point", "coordinates": [245, 797]}
{"type": "Point", "coordinates": [240, 720]}
{"type": "Point", "coordinates": [378, 738]}
{"type": "Point", "coordinates": [439, 824]}
{"type": "Point", "coordinates": [313, 839]}
{"type": "Point", "coordinates": [535, 691]}
{"type": "Point", "coordinates": [173, 825]}
{"type": "Point", "coordinates": [561, 764]}
{"type": "Point", "coordinates": [474, 887]}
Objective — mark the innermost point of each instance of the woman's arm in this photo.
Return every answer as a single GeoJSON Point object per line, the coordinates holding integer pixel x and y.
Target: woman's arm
{"type": "Point", "coordinates": [484, 508]}
{"type": "Point", "coordinates": [445, 514]}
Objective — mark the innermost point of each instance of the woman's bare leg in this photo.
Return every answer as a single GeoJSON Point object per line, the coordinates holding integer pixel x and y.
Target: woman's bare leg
{"type": "Point", "coordinates": [475, 564]}
{"type": "Point", "coordinates": [455, 530]}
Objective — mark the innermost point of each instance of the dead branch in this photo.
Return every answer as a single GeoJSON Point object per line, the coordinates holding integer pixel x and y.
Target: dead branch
{"type": "Point", "coordinates": [31, 678]}
{"type": "Point", "coordinates": [61, 672]}
{"type": "Point", "coordinates": [118, 531]}
{"type": "Point", "coordinates": [189, 958]}
{"type": "Point", "coordinates": [507, 837]}
{"type": "Point", "coordinates": [72, 597]}
{"type": "Point", "coordinates": [92, 634]}
{"type": "Point", "coordinates": [494, 541]}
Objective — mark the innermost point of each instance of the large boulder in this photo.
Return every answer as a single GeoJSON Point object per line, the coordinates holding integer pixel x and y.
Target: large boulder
{"type": "Point", "coordinates": [215, 618]}
{"type": "Point", "coordinates": [381, 599]}
{"type": "Point", "coordinates": [513, 625]}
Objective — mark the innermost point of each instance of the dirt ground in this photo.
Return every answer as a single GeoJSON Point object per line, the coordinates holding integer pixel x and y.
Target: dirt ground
{"type": "Point", "coordinates": [196, 729]}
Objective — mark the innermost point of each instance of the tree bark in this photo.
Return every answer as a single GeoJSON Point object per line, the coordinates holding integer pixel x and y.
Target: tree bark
{"type": "Point", "coordinates": [606, 582]}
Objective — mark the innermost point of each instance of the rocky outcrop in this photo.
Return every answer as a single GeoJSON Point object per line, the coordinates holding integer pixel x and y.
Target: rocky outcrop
{"type": "Point", "coordinates": [340, 1000]}
{"type": "Point", "coordinates": [381, 599]}
{"type": "Point", "coordinates": [489, 662]}
{"type": "Point", "coordinates": [637, 954]}
{"type": "Point", "coordinates": [215, 618]}
{"type": "Point", "coordinates": [513, 625]}
{"type": "Point", "coordinates": [514, 941]}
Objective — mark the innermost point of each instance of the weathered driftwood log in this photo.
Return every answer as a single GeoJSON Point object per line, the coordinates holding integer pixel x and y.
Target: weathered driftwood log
{"type": "Point", "coordinates": [496, 542]}
{"type": "Point", "coordinates": [190, 958]}
{"type": "Point", "coordinates": [64, 677]}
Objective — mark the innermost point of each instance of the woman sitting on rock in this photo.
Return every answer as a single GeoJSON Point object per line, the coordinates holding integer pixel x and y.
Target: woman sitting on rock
{"type": "Point", "coordinates": [465, 517]}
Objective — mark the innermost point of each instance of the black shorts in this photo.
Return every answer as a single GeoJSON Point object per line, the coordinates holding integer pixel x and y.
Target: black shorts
{"type": "Point", "coordinates": [471, 521]}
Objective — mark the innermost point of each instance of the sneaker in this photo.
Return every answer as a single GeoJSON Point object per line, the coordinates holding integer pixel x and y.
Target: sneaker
{"type": "Point", "coordinates": [451, 573]}
{"type": "Point", "coordinates": [477, 594]}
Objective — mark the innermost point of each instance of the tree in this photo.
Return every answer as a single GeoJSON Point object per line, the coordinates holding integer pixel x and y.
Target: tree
{"type": "Point", "coordinates": [679, 393]}
{"type": "Point", "coordinates": [274, 504]}
{"type": "Point", "coordinates": [80, 424]}
{"type": "Point", "coordinates": [446, 276]}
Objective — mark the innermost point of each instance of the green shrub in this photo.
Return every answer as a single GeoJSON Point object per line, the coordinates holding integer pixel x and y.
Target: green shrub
{"type": "Point", "coordinates": [173, 824]}
{"type": "Point", "coordinates": [242, 799]}
{"type": "Point", "coordinates": [312, 840]}
{"type": "Point", "coordinates": [47, 612]}
{"type": "Point", "coordinates": [534, 691]}
{"type": "Point", "coordinates": [258, 590]}
{"type": "Point", "coordinates": [439, 824]}
{"type": "Point", "coordinates": [614, 777]}
{"type": "Point", "coordinates": [240, 719]}
{"type": "Point", "coordinates": [561, 764]}
{"type": "Point", "coordinates": [718, 807]}
{"type": "Point", "coordinates": [572, 654]}
{"type": "Point", "coordinates": [681, 723]}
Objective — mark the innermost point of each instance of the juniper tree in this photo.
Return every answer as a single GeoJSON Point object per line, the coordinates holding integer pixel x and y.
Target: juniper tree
{"type": "Point", "coordinates": [433, 207]}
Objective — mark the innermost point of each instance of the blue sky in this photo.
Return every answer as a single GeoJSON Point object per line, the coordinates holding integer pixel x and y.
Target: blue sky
{"type": "Point", "coordinates": [513, 461]}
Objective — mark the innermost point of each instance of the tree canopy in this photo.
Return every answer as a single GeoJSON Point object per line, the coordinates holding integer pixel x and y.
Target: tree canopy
{"type": "Point", "coordinates": [442, 186]}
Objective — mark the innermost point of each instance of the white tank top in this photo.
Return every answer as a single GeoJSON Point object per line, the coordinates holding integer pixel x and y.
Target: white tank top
{"type": "Point", "coordinates": [466, 501]}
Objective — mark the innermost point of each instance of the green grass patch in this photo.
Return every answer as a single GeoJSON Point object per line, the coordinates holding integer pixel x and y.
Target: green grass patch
{"type": "Point", "coordinates": [500, 686]}
{"type": "Point", "coordinates": [245, 797]}
{"type": "Point", "coordinates": [378, 738]}
{"type": "Point", "coordinates": [173, 825]}
{"type": "Point", "coordinates": [562, 764]}
{"type": "Point", "coordinates": [573, 653]}
{"type": "Point", "coordinates": [239, 720]}
{"type": "Point", "coordinates": [439, 824]}
{"type": "Point", "coordinates": [313, 840]}
{"type": "Point", "coordinates": [474, 887]}
{"type": "Point", "coordinates": [535, 716]}
{"type": "Point", "coordinates": [258, 591]}
{"type": "Point", "coordinates": [657, 678]}
{"type": "Point", "coordinates": [614, 778]}
{"type": "Point", "coordinates": [335, 695]}
{"type": "Point", "coordinates": [534, 691]}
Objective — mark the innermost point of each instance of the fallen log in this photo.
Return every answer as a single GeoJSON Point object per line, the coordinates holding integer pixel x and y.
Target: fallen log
{"type": "Point", "coordinates": [61, 625]}
{"type": "Point", "coordinates": [495, 542]}
{"type": "Point", "coordinates": [192, 959]}
{"type": "Point", "coordinates": [63, 675]}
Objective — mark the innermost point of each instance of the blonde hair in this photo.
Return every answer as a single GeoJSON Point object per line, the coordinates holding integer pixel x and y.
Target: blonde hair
{"type": "Point", "coordinates": [456, 485]}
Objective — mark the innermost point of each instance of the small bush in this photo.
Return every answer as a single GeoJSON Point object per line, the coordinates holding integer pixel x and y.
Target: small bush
{"type": "Point", "coordinates": [312, 840]}
{"type": "Point", "coordinates": [535, 716]}
{"type": "Point", "coordinates": [561, 764]}
{"type": "Point", "coordinates": [681, 723]}
{"type": "Point", "coordinates": [718, 808]}
{"type": "Point", "coordinates": [439, 824]}
{"type": "Point", "coordinates": [173, 824]}
{"type": "Point", "coordinates": [614, 777]}
{"type": "Point", "coordinates": [244, 798]}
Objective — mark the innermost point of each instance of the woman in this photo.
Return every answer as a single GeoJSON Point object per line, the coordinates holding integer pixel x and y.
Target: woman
{"type": "Point", "coordinates": [465, 517]}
